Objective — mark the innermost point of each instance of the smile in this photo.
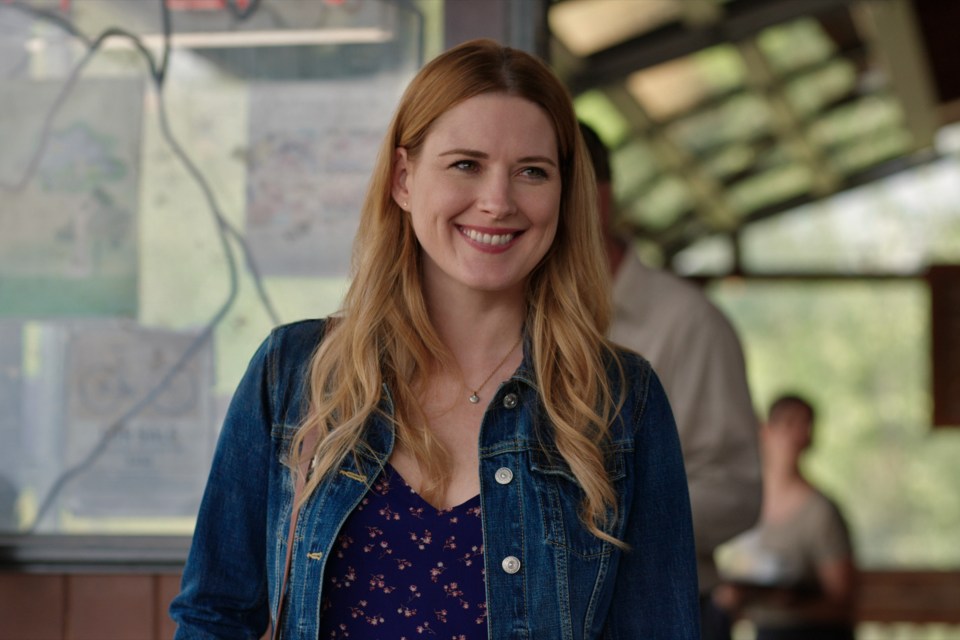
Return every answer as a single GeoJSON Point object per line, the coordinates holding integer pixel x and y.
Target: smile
{"type": "Point", "coordinates": [494, 240]}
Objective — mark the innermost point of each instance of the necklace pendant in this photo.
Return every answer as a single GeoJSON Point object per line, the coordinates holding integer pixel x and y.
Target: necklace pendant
{"type": "Point", "coordinates": [474, 399]}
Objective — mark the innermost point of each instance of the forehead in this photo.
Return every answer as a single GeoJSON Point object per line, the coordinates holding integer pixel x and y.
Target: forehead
{"type": "Point", "coordinates": [494, 122]}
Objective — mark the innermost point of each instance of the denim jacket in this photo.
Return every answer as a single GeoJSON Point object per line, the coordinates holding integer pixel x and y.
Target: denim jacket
{"type": "Point", "coordinates": [547, 576]}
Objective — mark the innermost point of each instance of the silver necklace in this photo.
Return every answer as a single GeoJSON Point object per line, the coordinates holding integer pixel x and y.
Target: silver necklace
{"type": "Point", "coordinates": [474, 397]}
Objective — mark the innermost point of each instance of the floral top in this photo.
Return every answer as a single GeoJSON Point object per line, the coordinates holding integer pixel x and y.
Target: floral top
{"type": "Point", "coordinates": [401, 569]}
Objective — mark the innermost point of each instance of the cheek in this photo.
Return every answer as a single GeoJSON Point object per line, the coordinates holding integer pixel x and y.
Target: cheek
{"type": "Point", "coordinates": [544, 209]}
{"type": "Point", "coordinates": [441, 202]}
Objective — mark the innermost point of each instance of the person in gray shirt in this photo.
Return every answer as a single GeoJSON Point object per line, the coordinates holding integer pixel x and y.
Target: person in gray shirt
{"type": "Point", "coordinates": [697, 354]}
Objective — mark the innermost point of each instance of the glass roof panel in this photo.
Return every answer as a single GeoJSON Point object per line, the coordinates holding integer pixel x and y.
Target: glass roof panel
{"type": "Point", "coordinates": [588, 26]}
{"type": "Point", "coordinates": [856, 120]}
{"type": "Point", "coordinates": [633, 165]}
{"type": "Point", "coordinates": [594, 108]}
{"type": "Point", "coordinates": [671, 88]}
{"type": "Point", "coordinates": [731, 159]}
{"type": "Point", "coordinates": [772, 186]}
{"type": "Point", "coordinates": [795, 44]}
{"type": "Point", "coordinates": [662, 204]}
{"type": "Point", "coordinates": [810, 92]}
{"type": "Point", "coordinates": [743, 116]}
{"type": "Point", "coordinates": [882, 145]}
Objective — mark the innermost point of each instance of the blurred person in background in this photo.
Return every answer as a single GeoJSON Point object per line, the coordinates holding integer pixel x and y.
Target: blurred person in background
{"type": "Point", "coordinates": [794, 575]}
{"type": "Point", "coordinates": [697, 354]}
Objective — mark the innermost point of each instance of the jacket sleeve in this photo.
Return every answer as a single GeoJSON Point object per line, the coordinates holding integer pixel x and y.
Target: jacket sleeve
{"type": "Point", "coordinates": [655, 590]}
{"type": "Point", "coordinates": [224, 586]}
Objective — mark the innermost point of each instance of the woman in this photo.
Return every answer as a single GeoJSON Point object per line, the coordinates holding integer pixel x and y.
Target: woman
{"type": "Point", "coordinates": [794, 575]}
{"type": "Point", "coordinates": [441, 501]}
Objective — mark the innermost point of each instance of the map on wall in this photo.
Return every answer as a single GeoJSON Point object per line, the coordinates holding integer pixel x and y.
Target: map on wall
{"type": "Point", "coordinates": [312, 148]}
{"type": "Point", "coordinates": [68, 214]}
{"type": "Point", "coordinates": [157, 463]}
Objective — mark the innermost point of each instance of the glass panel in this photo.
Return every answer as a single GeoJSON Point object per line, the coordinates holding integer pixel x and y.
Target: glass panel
{"type": "Point", "coordinates": [149, 242]}
{"type": "Point", "coordinates": [899, 225]}
{"type": "Point", "coordinates": [744, 116]}
{"type": "Point", "coordinates": [667, 198]}
{"type": "Point", "coordinates": [772, 186]}
{"type": "Point", "coordinates": [594, 108]}
{"type": "Point", "coordinates": [633, 167]}
{"type": "Point", "coordinates": [882, 145]}
{"type": "Point", "coordinates": [859, 350]}
{"type": "Point", "coordinates": [811, 91]}
{"type": "Point", "coordinates": [795, 45]}
{"type": "Point", "coordinates": [671, 88]}
{"type": "Point", "coordinates": [588, 26]}
{"type": "Point", "coordinates": [855, 121]}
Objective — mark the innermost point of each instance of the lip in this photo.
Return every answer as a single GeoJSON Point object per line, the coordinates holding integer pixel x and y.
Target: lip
{"type": "Point", "coordinates": [490, 240]}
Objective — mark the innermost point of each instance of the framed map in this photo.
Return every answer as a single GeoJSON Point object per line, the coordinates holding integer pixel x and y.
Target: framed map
{"type": "Point", "coordinates": [68, 200]}
{"type": "Point", "coordinates": [312, 148]}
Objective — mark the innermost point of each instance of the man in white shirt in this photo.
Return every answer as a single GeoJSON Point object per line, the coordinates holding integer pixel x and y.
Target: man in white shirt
{"type": "Point", "coordinates": [697, 355]}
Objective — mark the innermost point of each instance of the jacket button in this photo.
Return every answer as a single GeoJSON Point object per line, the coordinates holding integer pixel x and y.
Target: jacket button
{"type": "Point", "coordinates": [510, 400]}
{"type": "Point", "coordinates": [511, 564]}
{"type": "Point", "coordinates": [503, 475]}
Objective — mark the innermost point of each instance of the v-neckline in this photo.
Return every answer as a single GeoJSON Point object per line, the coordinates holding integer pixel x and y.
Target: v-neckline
{"type": "Point", "coordinates": [463, 506]}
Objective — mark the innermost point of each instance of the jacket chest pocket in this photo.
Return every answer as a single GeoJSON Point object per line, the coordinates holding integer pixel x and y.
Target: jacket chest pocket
{"type": "Point", "coordinates": [560, 498]}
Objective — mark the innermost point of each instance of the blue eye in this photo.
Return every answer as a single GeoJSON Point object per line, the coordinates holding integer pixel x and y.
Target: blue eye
{"type": "Point", "coordinates": [536, 172]}
{"type": "Point", "coordinates": [464, 165]}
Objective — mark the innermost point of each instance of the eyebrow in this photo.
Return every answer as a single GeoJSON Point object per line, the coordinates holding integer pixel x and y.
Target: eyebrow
{"type": "Point", "coordinates": [473, 153]}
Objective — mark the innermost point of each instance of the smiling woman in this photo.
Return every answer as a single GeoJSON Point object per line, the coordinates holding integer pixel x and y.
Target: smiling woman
{"type": "Point", "coordinates": [369, 475]}
{"type": "Point", "coordinates": [484, 193]}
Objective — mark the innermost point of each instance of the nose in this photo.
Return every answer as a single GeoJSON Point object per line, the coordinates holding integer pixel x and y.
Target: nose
{"type": "Point", "coordinates": [496, 197]}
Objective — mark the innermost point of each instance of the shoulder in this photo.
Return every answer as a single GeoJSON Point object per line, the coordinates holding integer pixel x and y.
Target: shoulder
{"type": "Point", "coordinates": [824, 506]}
{"type": "Point", "coordinates": [827, 528]}
{"type": "Point", "coordinates": [635, 384]}
{"type": "Point", "coordinates": [648, 293]}
{"type": "Point", "coordinates": [289, 347]}
{"type": "Point", "coordinates": [627, 369]}
{"type": "Point", "coordinates": [820, 502]}
{"type": "Point", "coordinates": [295, 340]}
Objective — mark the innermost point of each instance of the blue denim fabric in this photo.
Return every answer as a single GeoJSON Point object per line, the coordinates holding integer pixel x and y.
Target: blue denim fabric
{"type": "Point", "coordinates": [569, 585]}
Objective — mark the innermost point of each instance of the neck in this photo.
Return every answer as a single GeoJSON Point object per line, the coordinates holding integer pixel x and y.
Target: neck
{"type": "Point", "coordinates": [477, 325]}
{"type": "Point", "coordinates": [782, 475]}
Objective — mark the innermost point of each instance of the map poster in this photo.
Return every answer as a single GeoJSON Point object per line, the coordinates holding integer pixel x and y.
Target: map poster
{"type": "Point", "coordinates": [311, 151]}
{"type": "Point", "coordinates": [68, 199]}
{"type": "Point", "coordinates": [156, 463]}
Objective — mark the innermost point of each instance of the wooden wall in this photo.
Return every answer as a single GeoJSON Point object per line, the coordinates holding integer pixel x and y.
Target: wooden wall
{"type": "Point", "coordinates": [134, 606]}
{"type": "Point", "coordinates": [86, 607]}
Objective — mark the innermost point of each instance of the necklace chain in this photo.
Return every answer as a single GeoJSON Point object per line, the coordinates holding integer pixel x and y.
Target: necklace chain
{"type": "Point", "coordinates": [474, 397]}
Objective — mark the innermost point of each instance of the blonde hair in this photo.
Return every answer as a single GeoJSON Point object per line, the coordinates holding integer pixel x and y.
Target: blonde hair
{"type": "Point", "coordinates": [384, 335]}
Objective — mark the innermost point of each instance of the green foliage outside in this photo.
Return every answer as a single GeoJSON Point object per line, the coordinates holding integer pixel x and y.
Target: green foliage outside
{"type": "Point", "coordinates": [860, 351]}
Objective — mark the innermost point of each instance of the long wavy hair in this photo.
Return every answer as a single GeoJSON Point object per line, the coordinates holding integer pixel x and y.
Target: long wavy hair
{"type": "Point", "coordinates": [384, 335]}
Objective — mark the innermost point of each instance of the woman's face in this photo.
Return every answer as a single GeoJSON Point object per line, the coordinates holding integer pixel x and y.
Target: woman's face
{"type": "Point", "coordinates": [483, 195]}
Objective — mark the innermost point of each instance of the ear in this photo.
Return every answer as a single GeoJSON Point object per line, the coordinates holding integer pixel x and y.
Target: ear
{"type": "Point", "coordinates": [401, 171]}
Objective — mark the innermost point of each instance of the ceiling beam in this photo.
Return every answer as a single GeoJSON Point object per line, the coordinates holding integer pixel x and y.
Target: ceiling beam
{"type": "Point", "coordinates": [741, 20]}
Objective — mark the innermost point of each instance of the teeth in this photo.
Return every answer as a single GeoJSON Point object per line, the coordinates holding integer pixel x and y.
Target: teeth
{"type": "Point", "coordinates": [486, 238]}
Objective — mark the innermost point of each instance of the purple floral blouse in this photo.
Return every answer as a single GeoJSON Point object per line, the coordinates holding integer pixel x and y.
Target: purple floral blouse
{"type": "Point", "coordinates": [401, 569]}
